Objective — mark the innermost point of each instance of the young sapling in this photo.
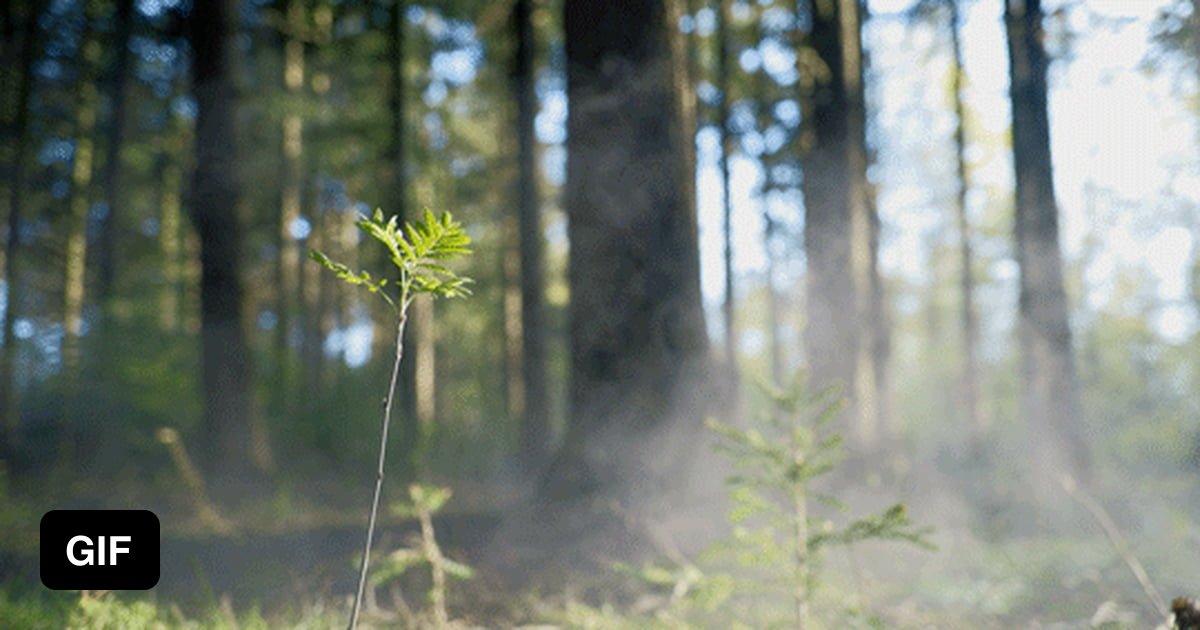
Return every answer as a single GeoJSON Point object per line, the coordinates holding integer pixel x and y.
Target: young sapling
{"type": "Point", "coordinates": [418, 251]}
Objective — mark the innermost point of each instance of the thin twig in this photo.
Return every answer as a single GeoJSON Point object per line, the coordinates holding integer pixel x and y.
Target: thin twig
{"type": "Point", "coordinates": [437, 566]}
{"type": "Point", "coordinates": [204, 508]}
{"type": "Point", "coordinates": [1118, 542]}
{"type": "Point", "coordinates": [387, 421]}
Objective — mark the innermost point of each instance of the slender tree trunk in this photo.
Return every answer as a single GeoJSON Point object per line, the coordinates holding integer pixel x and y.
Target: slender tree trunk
{"type": "Point", "coordinates": [82, 169]}
{"type": "Point", "coordinates": [510, 306]}
{"type": "Point", "coordinates": [724, 11]}
{"type": "Point", "coordinates": [637, 332]}
{"type": "Point", "coordinates": [774, 321]}
{"type": "Point", "coordinates": [169, 170]}
{"type": "Point", "coordinates": [287, 271]}
{"type": "Point", "coordinates": [831, 337]}
{"type": "Point", "coordinates": [426, 386]}
{"type": "Point", "coordinates": [535, 434]}
{"type": "Point", "coordinates": [692, 55]}
{"type": "Point", "coordinates": [29, 47]}
{"type": "Point", "coordinates": [228, 434]}
{"type": "Point", "coordinates": [966, 279]}
{"type": "Point", "coordinates": [1049, 388]}
{"type": "Point", "coordinates": [313, 298]}
{"type": "Point", "coordinates": [170, 180]}
{"type": "Point", "coordinates": [774, 344]}
{"type": "Point", "coordinates": [872, 336]}
{"type": "Point", "coordinates": [110, 175]}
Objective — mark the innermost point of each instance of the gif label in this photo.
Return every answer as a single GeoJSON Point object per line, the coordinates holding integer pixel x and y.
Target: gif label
{"type": "Point", "coordinates": [99, 550]}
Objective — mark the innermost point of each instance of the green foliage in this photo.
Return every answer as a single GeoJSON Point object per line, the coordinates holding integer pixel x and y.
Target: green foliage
{"type": "Point", "coordinates": [110, 613]}
{"type": "Point", "coordinates": [422, 499]}
{"type": "Point", "coordinates": [774, 550]}
{"type": "Point", "coordinates": [775, 462]}
{"type": "Point", "coordinates": [416, 250]}
{"type": "Point", "coordinates": [423, 503]}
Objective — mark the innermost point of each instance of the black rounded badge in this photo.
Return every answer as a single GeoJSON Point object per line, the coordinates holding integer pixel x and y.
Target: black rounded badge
{"type": "Point", "coordinates": [99, 550]}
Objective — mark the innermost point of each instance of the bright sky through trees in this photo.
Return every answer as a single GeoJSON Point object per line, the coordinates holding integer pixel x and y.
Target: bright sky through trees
{"type": "Point", "coordinates": [1113, 123]}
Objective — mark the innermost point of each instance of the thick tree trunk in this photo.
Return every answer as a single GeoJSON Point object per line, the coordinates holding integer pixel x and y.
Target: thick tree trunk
{"type": "Point", "coordinates": [1049, 389]}
{"type": "Point", "coordinates": [535, 430]}
{"type": "Point", "coordinates": [968, 321]}
{"type": "Point", "coordinates": [832, 332]}
{"type": "Point", "coordinates": [110, 175]}
{"type": "Point", "coordinates": [25, 52]}
{"type": "Point", "coordinates": [637, 334]}
{"type": "Point", "coordinates": [229, 442]}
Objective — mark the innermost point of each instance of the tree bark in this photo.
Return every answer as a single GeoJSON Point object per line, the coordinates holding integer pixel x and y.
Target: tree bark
{"type": "Point", "coordinates": [535, 430]}
{"type": "Point", "coordinates": [832, 333]}
{"type": "Point", "coordinates": [110, 174]}
{"type": "Point", "coordinates": [228, 434]}
{"type": "Point", "coordinates": [1049, 388]}
{"type": "Point", "coordinates": [637, 335]}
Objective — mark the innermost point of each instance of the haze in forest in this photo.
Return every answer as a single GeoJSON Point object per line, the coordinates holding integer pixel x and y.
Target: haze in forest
{"type": "Point", "coordinates": [696, 313]}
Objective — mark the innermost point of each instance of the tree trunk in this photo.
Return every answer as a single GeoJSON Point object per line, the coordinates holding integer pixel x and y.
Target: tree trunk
{"type": "Point", "coordinates": [1049, 389]}
{"type": "Point", "coordinates": [82, 168]}
{"type": "Point", "coordinates": [873, 339]}
{"type": "Point", "coordinates": [724, 10]}
{"type": "Point", "coordinates": [398, 156]}
{"type": "Point", "coordinates": [228, 433]}
{"type": "Point", "coordinates": [774, 343]}
{"type": "Point", "coordinates": [509, 261]}
{"type": "Point", "coordinates": [832, 332]}
{"type": "Point", "coordinates": [637, 335]}
{"type": "Point", "coordinates": [170, 181]}
{"type": "Point", "coordinates": [287, 271]}
{"type": "Point", "coordinates": [25, 52]}
{"type": "Point", "coordinates": [535, 430]}
{"type": "Point", "coordinates": [968, 320]}
{"type": "Point", "coordinates": [110, 175]}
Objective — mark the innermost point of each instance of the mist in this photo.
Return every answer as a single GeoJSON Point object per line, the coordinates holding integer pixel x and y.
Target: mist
{"type": "Point", "coordinates": [726, 314]}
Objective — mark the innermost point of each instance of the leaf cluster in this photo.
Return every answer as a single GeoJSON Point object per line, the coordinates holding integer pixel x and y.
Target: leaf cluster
{"type": "Point", "coordinates": [417, 251]}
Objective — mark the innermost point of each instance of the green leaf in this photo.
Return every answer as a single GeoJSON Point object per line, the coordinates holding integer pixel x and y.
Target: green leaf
{"type": "Point", "coordinates": [429, 499]}
{"type": "Point", "coordinates": [457, 570]}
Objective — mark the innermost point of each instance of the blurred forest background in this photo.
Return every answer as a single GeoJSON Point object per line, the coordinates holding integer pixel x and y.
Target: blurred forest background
{"type": "Point", "coordinates": [978, 217]}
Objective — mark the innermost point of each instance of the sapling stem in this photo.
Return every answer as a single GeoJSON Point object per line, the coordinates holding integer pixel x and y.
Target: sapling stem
{"type": "Point", "coordinates": [383, 436]}
{"type": "Point", "coordinates": [417, 251]}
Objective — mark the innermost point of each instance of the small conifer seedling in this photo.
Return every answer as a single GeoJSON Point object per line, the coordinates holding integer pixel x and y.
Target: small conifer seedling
{"type": "Point", "coordinates": [776, 463]}
{"type": "Point", "coordinates": [418, 252]}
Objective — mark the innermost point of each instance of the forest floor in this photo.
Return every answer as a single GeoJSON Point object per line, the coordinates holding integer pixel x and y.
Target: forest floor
{"type": "Point", "coordinates": [301, 545]}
